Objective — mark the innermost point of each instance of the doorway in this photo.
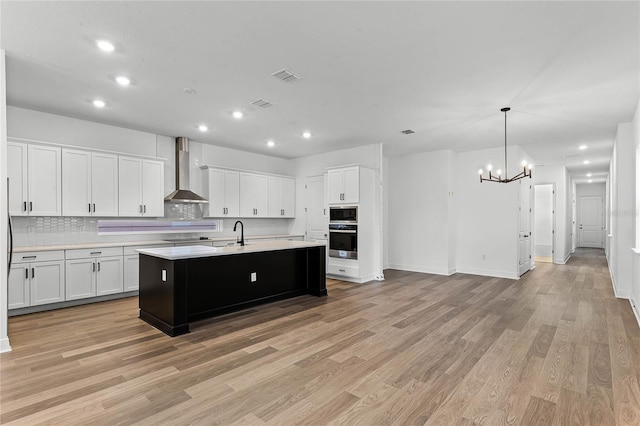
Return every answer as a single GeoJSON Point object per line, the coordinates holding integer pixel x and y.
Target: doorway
{"type": "Point", "coordinates": [544, 224]}
{"type": "Point", "coordinates": [590, 221]}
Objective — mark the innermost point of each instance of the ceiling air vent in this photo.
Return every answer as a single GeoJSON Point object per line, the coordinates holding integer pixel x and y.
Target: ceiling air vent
{"type": "Point", "coordinates": [407, 132]}
{"type": "Point", "coordinates": [286, 75]}
{"type": "Point", "coordinates": [262, 103]}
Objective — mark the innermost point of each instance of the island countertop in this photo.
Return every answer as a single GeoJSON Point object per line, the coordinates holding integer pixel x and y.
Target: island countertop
{"type": "Point", "coordinates": [192, 252]}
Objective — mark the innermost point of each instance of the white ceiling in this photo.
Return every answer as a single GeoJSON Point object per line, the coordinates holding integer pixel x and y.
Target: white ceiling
{"type": "Point", "coordinates": [569, 70]}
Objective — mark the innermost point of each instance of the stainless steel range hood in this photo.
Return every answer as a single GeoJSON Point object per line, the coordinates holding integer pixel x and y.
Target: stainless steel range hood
{"type": "Point", "coordinates": [183, 194]}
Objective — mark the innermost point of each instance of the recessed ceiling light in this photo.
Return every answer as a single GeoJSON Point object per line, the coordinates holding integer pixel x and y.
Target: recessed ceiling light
{"type": "Point", "coordinates": [306, 135]}
{"type": "Point", "coordinates": [271, 144]}
{"type": "Point", "coordinates": [585, 162]}
{"type": "Point", "coordinates": [582, 147]}
{"type": "Point", "coordinates": [98, 103]}
{"type": "Point", "coordinates": [203, 128]}
{"type": "Point", "coordinates": [189, 91]}
{"type": "Point", "coordinates": [238, 114]}
{"type": "Point", "coordinates": [105, 45]}
{"type": "Point", "coordinates": [588, 174]}
{"type": "Point", "coordinates": [122, 80]}
{"type": "Point", "coordinates": [590, 181]}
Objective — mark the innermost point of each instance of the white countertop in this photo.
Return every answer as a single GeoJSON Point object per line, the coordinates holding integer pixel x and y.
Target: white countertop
{"type": "Point", "coordinates": [191, 252]}
{"type": "Point", "coordinates": [142, 243]}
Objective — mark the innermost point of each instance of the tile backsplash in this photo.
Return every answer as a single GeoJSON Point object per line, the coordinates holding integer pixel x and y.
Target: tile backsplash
{"type": "Point", "coordinates": [55, 230]}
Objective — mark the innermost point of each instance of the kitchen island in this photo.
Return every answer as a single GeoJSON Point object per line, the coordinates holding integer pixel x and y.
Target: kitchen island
{"type": "Point", "coordinates": [179, 285]}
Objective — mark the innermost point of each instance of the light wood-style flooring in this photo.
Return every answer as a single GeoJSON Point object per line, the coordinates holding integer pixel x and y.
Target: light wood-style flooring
{"type": "Point", "coordinates": [553, 348]}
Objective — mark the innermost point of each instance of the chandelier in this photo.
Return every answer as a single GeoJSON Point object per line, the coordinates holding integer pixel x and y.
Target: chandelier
{"type": "Point", "coordinates": [498, 177]}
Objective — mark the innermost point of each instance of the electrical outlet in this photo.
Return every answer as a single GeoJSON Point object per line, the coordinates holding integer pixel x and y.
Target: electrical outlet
{"type": "Point", "coordinates": [164, 275]}
{"type": "Point", "coordinates": [254, 277]}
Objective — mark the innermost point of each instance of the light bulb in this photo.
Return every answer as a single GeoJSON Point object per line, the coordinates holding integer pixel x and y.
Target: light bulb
{"type": "Point", "coordinates": [122, 80]}
{"type": "Point", "coordinates": [582, 147]}
{"type": "Point", "coordinates": [271, 144]}
{"type": "Point", "coordinates": [480, 171]}
{"type": "Point", "coordinates": [99, 103]}
{"type": "Point", "coordinates": [588, 174]}
{"type": "Point", "coordinates": [530, 166]}
{"type": "Point", "coordinates": [306, 135]}
{"type": "Point", "coordinates": [489, 167]}
{"type": "Point", "coordinates": [524, 163]}
{"type": "Point", "coordinates": [238, 114]}
{"type": "Point", "coordinates": [499, 172]}
{"type": "Point", "coordinates": [203, 128]}
{"type": "Point", "coordinates": [105, 45]}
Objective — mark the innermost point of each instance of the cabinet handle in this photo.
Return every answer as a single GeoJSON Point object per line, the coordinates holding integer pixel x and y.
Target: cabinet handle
{"type": "Point", "coordinates": [33, 272]}
{"type": "Point", "coordinates": [89, 207]}
{"type": "Point", "coordinates": [324, 212]}
{"type": "Point", "coordinates": [28, 257]}
{"type": "Point", "coordinates": [98, 266]}
{"type": "Point", "coordinates": [94, 207]}
{"type": "Point", "coordinates": [144, 208]}
{"type": "Point", "coordinates": [25, 206]}
{"type": "Point", "coordinates": [140, 208]}
{"type": "Point", "coordinates": [342, 270]}
{"type": "Point", "coordinates": [95, 252]}
{"type": "Point", "coordinates": [30, 206]}
{"type": "Point", "coordinates": [26, 273]}
{"type": "Point", "coordinates": [94, 266]}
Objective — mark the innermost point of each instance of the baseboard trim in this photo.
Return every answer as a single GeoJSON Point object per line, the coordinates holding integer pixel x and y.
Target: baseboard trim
{"type": "Point", "coordinates": [488, 273]}
{"type": "Point", "coordinates": [4, 345]}
{"type": "Point", "coordinates": [634, 309]}
{"type": "Point", "coordinates": [422, 269]}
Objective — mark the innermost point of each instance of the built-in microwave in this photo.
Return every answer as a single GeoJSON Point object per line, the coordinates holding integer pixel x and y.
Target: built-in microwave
{"type": "Point", "coordinates": [343, 214]}
{"type": "Point", "coordinates": [343, 240]}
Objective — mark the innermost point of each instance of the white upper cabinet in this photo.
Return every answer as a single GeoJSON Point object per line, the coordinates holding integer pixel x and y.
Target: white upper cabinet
{"type": "Point", "coordinates": [34, 180]}
{"type": "Point", "coordinates": [254, 195]}
{"type": "Point", "coordinates": [344, 185]}
{"type": "Point", "coordinates": [140, 187]}
{"type": "Point", "coordinates": [89, 183]}
{"type": "Point", "coordinates": [281, 197]}
{"type": "Point", "coordinates": [222, 189]}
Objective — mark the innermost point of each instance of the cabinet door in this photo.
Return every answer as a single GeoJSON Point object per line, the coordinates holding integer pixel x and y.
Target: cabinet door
{"type": "Point", "coordinates": [351, 185]}
{"type": "Point", "coordinates": [19, 286]}
{"type": "Point", "coordinates": [261, 195]}
{"type": "Point", "coordinates": [131, 273]}
{"type": "Point", "coordinates": [247, 205]}
{"type": "Point", "coordinates": [17, 173]}
{"type": "Point", "coordinates": [215, 192]}
{"type": "Point", "coordinates": [80, 278]}
{"type": "Point", "coordinates": [275, 196]}
{"type": "Point", "coordinates": [232, 193]}
{"type": "Point", "coordinates": [47, 282]}
{"type": "Point", "coordinates": [110, 279]}
{"type": "Point", "coordinates": [288, 202]}
{"type": "Point", "coordinates": [153, 188]}
{"type": "Point", "coordinates": [104, 184]}
{"type": "Point", "coordinates": [76, 183]}
{"type": "Point", "coordinates": [44, 181]}
{"type": "Point", "coordinates": [129, 186]}
{"type": "Point", "coordinates": [335, 178]}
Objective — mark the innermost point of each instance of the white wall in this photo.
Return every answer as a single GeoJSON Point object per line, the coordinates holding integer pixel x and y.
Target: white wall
{"type": "Point", "coordinates": [623, 211]}
{"type": "Point", "coordinates": [487, 215]}
{"type": "Point", "coordinates": [4, 208]}
{"type": "Point", "coordinates": [564, 205]}
{"type": "Point", "coordinates": [420, 218]}
{"type": "Point", "coordinates": [635, 282]}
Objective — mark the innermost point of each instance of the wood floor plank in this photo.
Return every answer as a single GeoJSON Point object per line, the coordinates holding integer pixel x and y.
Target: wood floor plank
{"type": "Point", "coordinates": [555, 347]}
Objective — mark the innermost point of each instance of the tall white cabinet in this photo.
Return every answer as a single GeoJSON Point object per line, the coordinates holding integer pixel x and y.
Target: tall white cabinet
{"type": "Point", "coordinates": [89, 183]}
{"type": "Point", "coordinates": [140, 187]}
{"type": "Point", "coordinates": [35, 187]}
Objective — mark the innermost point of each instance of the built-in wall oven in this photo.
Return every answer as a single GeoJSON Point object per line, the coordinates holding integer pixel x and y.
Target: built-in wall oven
{"type": "Point", "coordinates": [343, 232]}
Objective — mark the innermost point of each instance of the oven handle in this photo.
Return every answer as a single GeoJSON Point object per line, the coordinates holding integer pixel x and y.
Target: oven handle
{"type": "Point", "coordinates": [342, 232]}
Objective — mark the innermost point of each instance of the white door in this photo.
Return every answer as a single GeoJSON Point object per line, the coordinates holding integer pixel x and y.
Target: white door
{"type": "Point", "coordinates": [45, 181]}
{"type": "Point", "coordinates": [19, 286]}
{"type": "Point", "coordinates": [80, 278]}
{"type": "Point", "coordinates": [152, 188]}
{"type": "Point", "coordinates": [590, 221]}
{"type": "Point", "coordinates": [76, 183]}
{"type": "Point", "coordinates": [129, 186]}
{"type": "Point", "coordinates": [47, 282]}
{"type": "Point", "coordinates": [110, 279]}
{"type": "Point", "coordinates": [543, 230]}
{"type": "Point", "coordinates": [17, 173]}
{"type": "Point", "coordinates": [104, 184]}
{"type": "Point", "coordinates": [317, 225]}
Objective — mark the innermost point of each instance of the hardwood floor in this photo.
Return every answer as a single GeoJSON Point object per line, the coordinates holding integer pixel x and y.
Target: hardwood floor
{"type": "Point", "coordinates": [553, 348]}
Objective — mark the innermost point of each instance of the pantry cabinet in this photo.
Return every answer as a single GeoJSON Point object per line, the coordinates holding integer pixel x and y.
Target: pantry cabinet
{"type": "Point", "coordinates": [34, 173]}
{"type": "Point", "coordinates": [140, 187]}
{"type": "Point", "coordinates": [89, 183]}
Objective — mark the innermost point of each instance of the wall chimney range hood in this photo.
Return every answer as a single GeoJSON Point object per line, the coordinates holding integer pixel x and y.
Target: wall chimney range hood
{"type": "Point", "coordinates": [182, 194]}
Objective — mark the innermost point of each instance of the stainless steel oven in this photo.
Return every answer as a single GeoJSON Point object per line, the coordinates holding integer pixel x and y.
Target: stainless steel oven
{"type": "Point", "coordinates": [343, 240]}
{"type": "Point", "coordinates": [343, 214]}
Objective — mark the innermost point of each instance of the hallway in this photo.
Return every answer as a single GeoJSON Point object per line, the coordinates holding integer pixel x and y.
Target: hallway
{"type": "Point", "coordinates": [553, 348]}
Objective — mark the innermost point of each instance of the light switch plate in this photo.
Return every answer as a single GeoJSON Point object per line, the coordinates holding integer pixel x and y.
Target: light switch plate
{"type": "Point", "coordinates": [164, 275]}
{"type": "Point", "coordinates": [254, 277]}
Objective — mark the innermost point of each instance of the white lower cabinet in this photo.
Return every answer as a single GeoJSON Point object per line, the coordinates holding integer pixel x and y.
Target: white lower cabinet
{"type": "Point", "coordinates": [96, 272]}
{"type": "Point", "coordinates": [131, 272]}
{"type": "Point", "coordinates": [36, 278]}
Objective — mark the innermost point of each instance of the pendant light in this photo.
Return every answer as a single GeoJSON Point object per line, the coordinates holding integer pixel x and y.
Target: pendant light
{"type": "Point", "coordinates": [502, 178]}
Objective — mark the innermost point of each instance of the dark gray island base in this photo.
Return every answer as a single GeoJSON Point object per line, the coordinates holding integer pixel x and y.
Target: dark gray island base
{"type": "Point", "coordinates": [184, 284]}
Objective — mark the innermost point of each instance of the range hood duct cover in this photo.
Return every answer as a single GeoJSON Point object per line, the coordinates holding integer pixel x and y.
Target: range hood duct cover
{"type": "Point", "coordinates": [182, 194]}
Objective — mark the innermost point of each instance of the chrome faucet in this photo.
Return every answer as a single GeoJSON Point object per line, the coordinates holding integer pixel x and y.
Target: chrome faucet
{"type": "Point", "coordinates": [241, 231]}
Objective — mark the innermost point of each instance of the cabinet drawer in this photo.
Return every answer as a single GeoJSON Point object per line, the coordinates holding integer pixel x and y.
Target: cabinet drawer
{"type": "Point", "coordinates": [347, 271]}
{"type": "Point", "coordinates": [128, 251]}
{"type": "Point", "coordinates": [38, 256]}
{"type": "Point", "coordinates": [95, 252]}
